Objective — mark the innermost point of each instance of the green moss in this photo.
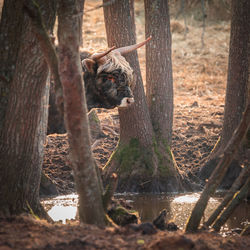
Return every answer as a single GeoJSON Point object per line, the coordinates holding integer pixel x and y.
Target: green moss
{"type": "Point", "coordinates": [122, 216]}
{"type": "Point", "coordinates": [165, 157]}
{"type": "Point", "coordinates": [132, 159]}
{"type": "Point", "coordinates": [31, 211]}
{"type": "Point", "coordinates": [127, 155]}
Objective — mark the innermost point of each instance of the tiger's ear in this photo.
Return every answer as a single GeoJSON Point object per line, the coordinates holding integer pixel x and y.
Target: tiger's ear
{"type": "Point", "coordinates": [88, 64]}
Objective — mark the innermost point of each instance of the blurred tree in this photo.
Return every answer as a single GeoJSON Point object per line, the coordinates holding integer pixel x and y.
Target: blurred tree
{"type": "Point", "coordinates": [23, 108]}
{"type": "Point", "coordinates": [88, 185]}
{"type": "Point", "coordinates": [237, 92]}
{"type": "Point", "coordinates": [143, 158]}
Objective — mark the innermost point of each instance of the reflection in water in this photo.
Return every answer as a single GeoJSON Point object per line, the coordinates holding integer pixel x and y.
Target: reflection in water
{"type": "Point", "coordinates": [179, 208]}
{"type": "Point", "coordinates": [62, 208]}
{"type": "Point", "coordinates": [62, 213]}
{"type": "Point", "coordinates": [189, 198]}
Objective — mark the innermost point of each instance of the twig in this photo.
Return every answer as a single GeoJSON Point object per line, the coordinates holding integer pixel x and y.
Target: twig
{"type": "Point", "coordinates": [203, 24]}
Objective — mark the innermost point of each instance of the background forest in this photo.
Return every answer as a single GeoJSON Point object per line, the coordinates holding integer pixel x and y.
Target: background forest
{"type": "Point", "coordinates": [200, 50]}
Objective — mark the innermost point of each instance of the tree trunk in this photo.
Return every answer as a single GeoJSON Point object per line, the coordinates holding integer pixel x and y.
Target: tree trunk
{"type": "Point", "coordinates": [87, 184]}
{"type": "Point", "coordinates": [159, 69]}
{"type": "Point", "coordinates": [237, 89]}
{"type": "Point", "coordinates": [137, 159]}
{"type": "Point", "coordinates": [23, 130]}
{"type": "Point", "coordinates": [160, 84]}
{"type": "Point", "coordinates": [136, 132]}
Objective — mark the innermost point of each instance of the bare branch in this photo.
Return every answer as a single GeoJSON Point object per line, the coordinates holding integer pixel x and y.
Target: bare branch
{"type": "Point", "coordinates": [219, 172]}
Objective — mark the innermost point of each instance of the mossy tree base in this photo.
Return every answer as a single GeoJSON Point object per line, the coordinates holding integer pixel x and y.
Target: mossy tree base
{"type": "Point", "coordinates": [142, 169]}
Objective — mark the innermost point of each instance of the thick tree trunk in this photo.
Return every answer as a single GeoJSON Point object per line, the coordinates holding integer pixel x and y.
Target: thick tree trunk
{"type": "Point", "coordinates": [10, 28]}
{"type": "Point", "coordinates": [237, 91]}
{"type": "Point", "coordinates": [88, 187]}
{"type": "Point", "coordinates": [138, 160]}
{"type": "Point", "coordinates": [25, 117]}
{"type": "Point", "coordinates": [122, 33]}
{"type": "Point", "coordinates": [136, 136]}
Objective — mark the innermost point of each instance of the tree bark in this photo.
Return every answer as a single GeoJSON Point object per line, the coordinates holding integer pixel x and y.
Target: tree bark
{"type": "Point", "coordinates": [140, 164]}
{"type": "Point", "coordinates": [135, 127]}
{"type": "Point", "coordinates": [87, 184]}
{"type": "Point", "coordinates": [159, 75]}
{"type": "Point", "coordinates": [122, 33]}
{"type": "Point", "coordinates": [238, 66]}
{"type": "Point", "coordinates": [23, 130]}
{"type": "Point", "coordinates": [11, 27]}
{"type": "Point", "coordinates": [237, 92]}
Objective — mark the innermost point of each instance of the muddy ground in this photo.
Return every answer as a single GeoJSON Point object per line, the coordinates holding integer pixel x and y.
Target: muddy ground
{"type": "Point", "coordinates": [199, 91]}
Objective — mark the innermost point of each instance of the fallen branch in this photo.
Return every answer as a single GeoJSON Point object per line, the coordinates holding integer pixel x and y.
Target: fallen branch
{"type": "Point", "coordinates": [232, 206]}
{"type": "Point", "coordinates": [219, 172]}
{"type": "Point", "coordinates": [229, 196]}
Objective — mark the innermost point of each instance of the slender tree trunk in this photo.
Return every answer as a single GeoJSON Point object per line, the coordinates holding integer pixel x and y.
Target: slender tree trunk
{"type": "Point", "coordinates": [88, 187]}
{"type": "Point", "coordinates": [138, 160]}
{"type": "Point", "coordinates": [237, 91]}
{"type": "Point", "coordinates": [159, 69]}
{"type": "Point", "coordinates": [160, 85]}
{"type": "Point", "coordinates": [22, 134]}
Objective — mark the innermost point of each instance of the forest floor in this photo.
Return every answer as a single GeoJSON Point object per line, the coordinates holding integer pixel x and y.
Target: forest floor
{"type": "Point", "coordinates": [199, 75]}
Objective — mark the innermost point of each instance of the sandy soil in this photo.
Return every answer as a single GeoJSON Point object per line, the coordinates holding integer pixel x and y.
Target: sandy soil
{"type": "Point", "coordinates": [199, 89]}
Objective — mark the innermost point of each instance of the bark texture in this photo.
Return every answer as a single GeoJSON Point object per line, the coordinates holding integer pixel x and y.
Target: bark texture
{"type": "Point", "coordinates": [88, 187]}
{"type": "Point", "coordinates": [140, 163]}
{"type": "Point", "coordinates": [121, 32]}
{"type": "Point", "coordinates": [237, 92]}
{"type": "Point", "coordinates": [159, 69]}
{"type": "Point", "coordinates": [24, 110]}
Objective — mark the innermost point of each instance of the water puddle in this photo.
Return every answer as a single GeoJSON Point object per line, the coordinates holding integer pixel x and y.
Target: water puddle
{"type": "Point", "coordinates": [179, 208]}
